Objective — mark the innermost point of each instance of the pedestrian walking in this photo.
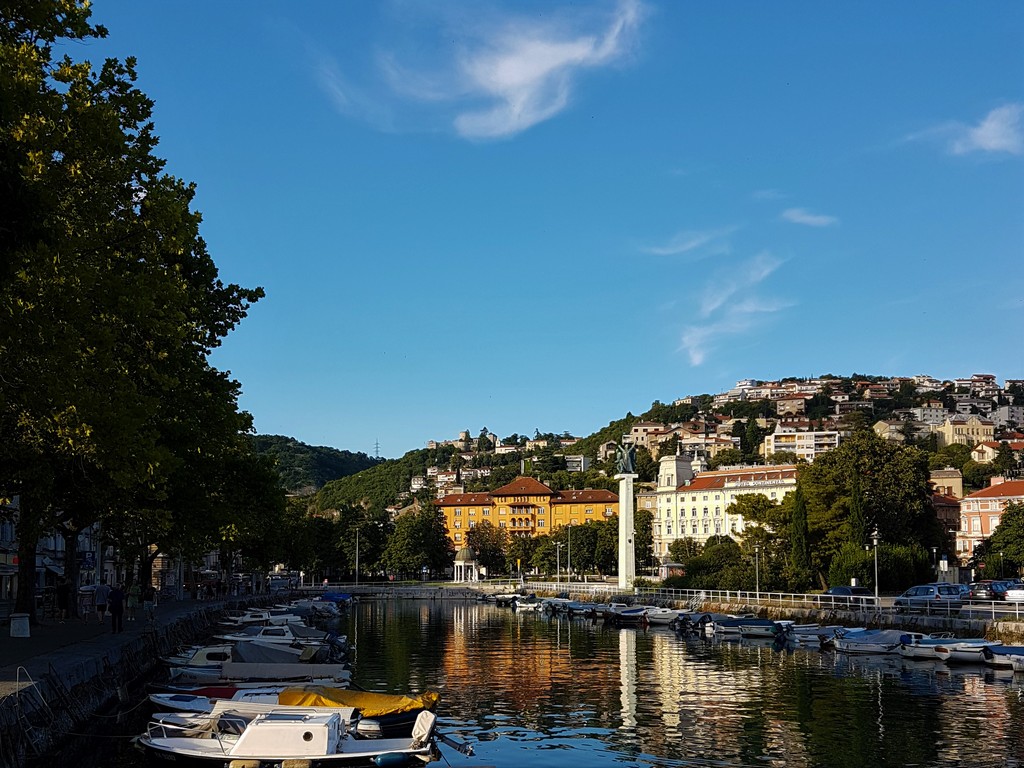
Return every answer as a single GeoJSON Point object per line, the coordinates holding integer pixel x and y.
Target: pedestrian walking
{"type": "Point", "coordinates": [101, 594]}
{"type": "Point", "coordinates": [63, 598]}
{"type": "Point", "coordinates": [134, 592]}
{"type": "Point", "coordinates": [149, 602]}
{"type": "Point", "coordinates": [115, 604]}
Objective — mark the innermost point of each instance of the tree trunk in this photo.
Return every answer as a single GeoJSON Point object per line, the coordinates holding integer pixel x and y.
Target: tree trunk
{"type": "Point", "coordinates": [28, 539]}
{"type": "Point", "coordinates": [70, 537]}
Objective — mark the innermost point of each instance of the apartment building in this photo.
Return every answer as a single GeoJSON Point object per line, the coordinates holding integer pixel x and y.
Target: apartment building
{"type": "Point", "coordinates": [806, 445]}
{"type": "Point", "coordinates": [525, 507]}
{"type": "Point", "coordinates": [964, 429]}
{"type": "Point", "coordinates": [691, 505]}
{"type": "Point", "coordinates": [980, 513]}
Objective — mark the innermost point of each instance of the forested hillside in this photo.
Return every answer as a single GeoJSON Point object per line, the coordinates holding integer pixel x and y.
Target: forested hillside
{"type": "Point", "coordinates": [303, 467]}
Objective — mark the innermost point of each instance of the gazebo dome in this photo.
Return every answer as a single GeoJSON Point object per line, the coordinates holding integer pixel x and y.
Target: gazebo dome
{"type": "Point", "coordinates": [465, 555]}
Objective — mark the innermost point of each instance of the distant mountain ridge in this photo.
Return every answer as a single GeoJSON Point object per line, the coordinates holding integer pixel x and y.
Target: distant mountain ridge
{"type": "Point", "coordinates": [310, 467]}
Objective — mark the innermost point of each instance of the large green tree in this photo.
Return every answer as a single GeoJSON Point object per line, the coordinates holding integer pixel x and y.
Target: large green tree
{"type": "Point", "coordinates": [108, 294]}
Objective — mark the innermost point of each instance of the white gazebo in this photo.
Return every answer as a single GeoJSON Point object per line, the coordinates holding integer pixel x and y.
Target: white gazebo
{"type": "Point", "coordinates": [466, 568]}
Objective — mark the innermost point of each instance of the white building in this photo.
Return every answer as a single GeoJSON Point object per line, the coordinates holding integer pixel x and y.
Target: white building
{"type": "Point", "coordinates": [806, 445]}
{"type": "Point", "coordinates": [694, 506]}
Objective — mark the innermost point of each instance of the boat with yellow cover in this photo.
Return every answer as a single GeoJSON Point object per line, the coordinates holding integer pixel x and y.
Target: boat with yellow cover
{"type": "Point", "coordinates": [377, 715]}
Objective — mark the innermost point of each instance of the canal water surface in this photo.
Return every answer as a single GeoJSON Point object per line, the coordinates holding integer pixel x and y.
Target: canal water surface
{"type": "Point", "coordinates": [528, 690]}
{"type": "Point", "coordinates": [525, 689]}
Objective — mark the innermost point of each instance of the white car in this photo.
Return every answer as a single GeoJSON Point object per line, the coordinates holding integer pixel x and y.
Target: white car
{"type": "Point", "coordinates": [1015, 595]}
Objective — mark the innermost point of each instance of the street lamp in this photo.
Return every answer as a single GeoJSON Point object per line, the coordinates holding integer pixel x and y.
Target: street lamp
{"type": "Point", "coordinates": [874, 541]}
{"type": "Point", "coordinates": [357, 557]}
{"type": "Point", "coordinates": [558, 561]}
{"type": "Point", "coordinates": [757, 572]}
{"type": "Point", "coordinates": [935, 561]}
{"type": "Point", "coordinates": [568, 557]}
{"type": "Point", "coordinates": [1000, 565]}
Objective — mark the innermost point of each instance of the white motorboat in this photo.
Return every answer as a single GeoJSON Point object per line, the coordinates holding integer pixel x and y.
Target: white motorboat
{"type": "Point", "coordinates": [970, 651]}
{"type": "Point", "coordinates": [286, 634]}
{"type": "Point", "coordinates": [869, 641]}
{"type": "Point", "coordinates": [664, 616]}
{"type": "Point", "coordinates": [1006, 656]}
{"type": "Point", "coordinates": [917, 645]}
{"type": "Point", "coordinates": [283, 737]}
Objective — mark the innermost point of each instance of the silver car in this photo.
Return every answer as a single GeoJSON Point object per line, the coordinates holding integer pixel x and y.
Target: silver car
{"type": "Point", "coordinates": [930, 598]}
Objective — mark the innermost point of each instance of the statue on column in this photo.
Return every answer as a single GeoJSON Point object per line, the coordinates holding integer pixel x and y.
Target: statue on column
{"type": "Point", "coordinates": [625, 458]}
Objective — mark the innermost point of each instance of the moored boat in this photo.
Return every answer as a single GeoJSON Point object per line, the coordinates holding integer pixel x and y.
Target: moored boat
{"type": "Point", "coordinates": [969, 651]}
{"type": "Point", "coordinates": [869, 641]}
{"type": "Point", "coordinates": [283, 737]}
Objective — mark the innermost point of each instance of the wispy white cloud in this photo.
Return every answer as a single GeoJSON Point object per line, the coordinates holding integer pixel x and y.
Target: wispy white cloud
{"type": "Point", "coordinates": [726, 316]}
{"type": "Point", "coordinates": [998, 131]}
{"type": "Point", "coordinates": [526, 71]}
{"type": "Point", "coordinates": [805, 217]}
{"type": "Point", "coordinates": [690, 241]}
{"type": "Point", "coordinates": [494, 76]}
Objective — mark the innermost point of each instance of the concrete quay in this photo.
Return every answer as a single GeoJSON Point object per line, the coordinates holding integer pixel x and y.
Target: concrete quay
{"type": "Point", "coordinates": [64, 676]}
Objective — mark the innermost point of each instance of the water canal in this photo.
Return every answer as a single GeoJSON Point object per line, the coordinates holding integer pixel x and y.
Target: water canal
{"type": "Point", "coordinates": [528, 690]}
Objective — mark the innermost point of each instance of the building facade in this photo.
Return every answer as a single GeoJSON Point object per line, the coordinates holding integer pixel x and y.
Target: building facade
{"type": "Point", "coordinates": [696, 506]}
{"type": "Point", "coordinates": [806, 445]}
{"type": "Point", "coordinates": [965, 430]}
{"type": "Point", "coordinates": [525, 507]}
{"type": "Point", "coordinates": [980, 513]}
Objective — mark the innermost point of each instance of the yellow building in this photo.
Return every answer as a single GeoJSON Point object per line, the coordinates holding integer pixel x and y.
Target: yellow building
{"type": "Point", "coordinates": [965, 430]}
{"type": "Point", "coordinates": [524, 507]}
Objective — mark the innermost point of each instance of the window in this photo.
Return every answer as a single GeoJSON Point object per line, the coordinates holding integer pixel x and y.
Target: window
{"type": "Point", "coordinates": [705, 526]}
{"type": "Point", "coordinates": [693, 512]}
{"type": "Point", "coordinates": [976, 524]}
{"type": "Point", "coordinates": [501, 523]}
{"type": "Point", "coordinates": [472, 511]}
{"type": "Point", "coordinates": [608, 511]}
{"type": "Point", "coordinates": [458, 537]}
{"type": "Point", "coordinates": [773, 494]}
{"type": "Point", "coordinates": [668, 528]}
{"type": "Point", "coordinates": [590, 510]}
{"type": "Point", "coordinates": [540, 523]}
{"type": "Point", "coordinates": [705, 498]}
{"type": "Point", "coordinates": [693, 528]}
{"type": "Point", "coordinates": [718, 511]}
{"type": "Point", "coordinates": [705, 511]}
{"type": "Point", "coordinates": [503, 511]}
{"type": "Point", "coordinates": [458, 523]}
{"type": "Point", "coordinates": [993, 523]}
{"type": "Point", "coordinates": [458, 512]}
{"type": "Point", "coordinates": [486, 511]}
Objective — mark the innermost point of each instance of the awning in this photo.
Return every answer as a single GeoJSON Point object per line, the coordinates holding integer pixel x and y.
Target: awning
{"type": "Point", "coordinates": [55, 569]}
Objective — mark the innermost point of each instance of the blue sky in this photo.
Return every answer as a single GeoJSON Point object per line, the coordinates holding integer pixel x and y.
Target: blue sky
{"type": "Point", "coordinates": [537, 215]}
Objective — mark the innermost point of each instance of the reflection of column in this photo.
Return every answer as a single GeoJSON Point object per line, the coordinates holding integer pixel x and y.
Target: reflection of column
{"type": "Point", "coordinates": [627, 677]}
{"type": "Point", "coordinates": [627, 554]}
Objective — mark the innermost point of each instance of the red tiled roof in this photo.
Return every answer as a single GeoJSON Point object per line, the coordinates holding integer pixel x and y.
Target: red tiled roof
{"type": "Point", "coordinates": [523, 486]}
{"type": "Point", "coordinates": [1011, 488]}
{"type": "Point", "coordinates": [719, 478]}
{"type": "Point", "coordinates": [1014, 444]}
{"type": "Point", "coordinates": [463, 499]}
{"type": "Point", "coordinates": [569, 497]}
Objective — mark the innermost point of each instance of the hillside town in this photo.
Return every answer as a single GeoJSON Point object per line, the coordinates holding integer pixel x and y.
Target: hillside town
{"type": "Point", "coordinates": [800, 419]}
{"type": "Point", "coordinates": [749, 440]}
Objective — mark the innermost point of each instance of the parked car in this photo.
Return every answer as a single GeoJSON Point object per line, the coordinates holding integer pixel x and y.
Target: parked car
{"type": "Point", "coordinates": [930, 598]}
{"type": "Point", "coordinates": [963, 589]}
{"type": "Point", "coordinates": [999, 589]}
{"type": "Point", "coordinates": [982, 590]}
{"type": "Point", "coordinates": [848, 596]}
{"type": "Point", "coordinates": [1015, 594]}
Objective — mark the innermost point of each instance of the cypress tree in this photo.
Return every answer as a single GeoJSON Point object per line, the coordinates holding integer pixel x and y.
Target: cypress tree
{"type": "Point", "coordinates": [856, 511]}
{"type": "Point", "coordinates": [801, 558]}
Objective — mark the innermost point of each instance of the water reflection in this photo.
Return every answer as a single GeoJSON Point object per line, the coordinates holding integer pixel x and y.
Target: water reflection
{"type": "Point", "coordinates": [529, 689]}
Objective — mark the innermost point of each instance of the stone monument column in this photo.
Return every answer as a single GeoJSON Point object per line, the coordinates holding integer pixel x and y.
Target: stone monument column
{"type": "Point", "coordinates": [627, 553]}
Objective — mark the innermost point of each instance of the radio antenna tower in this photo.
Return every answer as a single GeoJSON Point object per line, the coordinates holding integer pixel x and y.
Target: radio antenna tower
{"type": "Point", "coordinates": [376, 449]}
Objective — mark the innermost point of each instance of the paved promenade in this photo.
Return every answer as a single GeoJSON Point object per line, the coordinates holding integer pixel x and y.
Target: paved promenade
{"type": "Point", "coordinates": [54, 646]}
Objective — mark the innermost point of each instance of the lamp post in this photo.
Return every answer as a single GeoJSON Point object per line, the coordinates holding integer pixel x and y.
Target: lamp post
{"type": "Point", "coordinates": [1000, 565]}
{"type": "Point", "coordinates": [874, 541]}
{"type": "Point", "coordinates": [935, 561]}
{"type": "Point", "coordinates": [357, 557]}
{"type": "Point", "coordinates": [757, 572]}
{"type": "Point", "coordinates": [558, 562]}
{"type": "Point", "coordinates": [568, 557]}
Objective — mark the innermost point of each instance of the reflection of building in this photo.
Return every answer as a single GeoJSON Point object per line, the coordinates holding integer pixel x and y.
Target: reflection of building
{"type": "Point", "coordinates": [980, 512]}
{"type": "Point", "coordinates": [525, 507]}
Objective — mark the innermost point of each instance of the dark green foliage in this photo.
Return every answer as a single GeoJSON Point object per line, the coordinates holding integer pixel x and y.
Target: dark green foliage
{"type": "Point", "coordinates": [490, 544]}
{"type": "Point", "coordinates": [302, 466]}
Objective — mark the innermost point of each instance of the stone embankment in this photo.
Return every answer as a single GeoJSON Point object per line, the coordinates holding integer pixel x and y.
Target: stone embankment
{"type": "Point", "coordinates": [67, 689]}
